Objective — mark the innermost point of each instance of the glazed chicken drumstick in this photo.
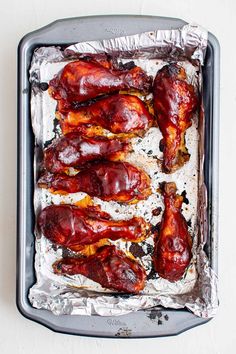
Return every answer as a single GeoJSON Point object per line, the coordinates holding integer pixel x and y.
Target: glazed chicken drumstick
{"type": "Point", "coordinates": [82, 80]}
{"type": "Point", "coordinates": [74, 150]}
{"type": "Point", "coordinates": [117, 113]}
{"type": "Point", "coordinates": [71, 226]}
{"type": "Point", "coordinates": [174, 103]}
{"type": "Point", "coordinates": [118, 181]}
{"type": "Point", "coordinates": [109, 267]}
{"type": "Point", "coordinates": [172, 252]}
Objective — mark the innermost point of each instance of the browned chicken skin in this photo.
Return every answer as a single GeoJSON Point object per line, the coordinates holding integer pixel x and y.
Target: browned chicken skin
{"type": "Point", "coordinates": [71, 226]}
{"type": "Point", "coordinates": [118, 181]}
{"type": "Point", "coordinates": [118, 113]}
{"type": "Point", "coordinates": [109, 267]}
{"type": "Point", "coordinates": [74, 150]}
{"type": "Point", "coordinates": [172, 253]}
{"type": "Point", "coordinates": [83, 80]}
{"type": "Point", "coordinates": [174, 103]}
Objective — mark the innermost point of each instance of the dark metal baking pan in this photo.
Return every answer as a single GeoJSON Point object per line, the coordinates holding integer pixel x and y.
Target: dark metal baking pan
{"type": "Point", "coordinates": [149, 323]}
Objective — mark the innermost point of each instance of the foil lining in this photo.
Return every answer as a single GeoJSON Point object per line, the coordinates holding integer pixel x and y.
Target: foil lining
{"type": "Point", "coordinates": [197, 290]}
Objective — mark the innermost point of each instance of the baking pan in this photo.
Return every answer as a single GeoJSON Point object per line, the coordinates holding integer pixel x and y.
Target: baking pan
{"type": "Point", "coordinates": [149, 323]}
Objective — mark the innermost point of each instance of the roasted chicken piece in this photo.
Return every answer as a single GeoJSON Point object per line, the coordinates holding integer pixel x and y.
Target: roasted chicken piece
{"type": "Point", "coordinates": [118, 181]}
{"type": "Point", "coordinates": [109, 267]}
{"type": "Point", "coordinates": [74, 150]}
{"type": "Point", "coordinates": [117, 113]}
{"type": "Point", "coordinates": [172, 252]}
{"type": "Point", "coordinates": [82, 80]}
{"type": "Point", "coordinates": [71, 226]}
{"type": "Point", "coordinates": [174, 102]}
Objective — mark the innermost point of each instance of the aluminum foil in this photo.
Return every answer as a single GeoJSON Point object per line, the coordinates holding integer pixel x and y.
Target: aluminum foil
{"type": "Point", "coordinates": [197, 290]}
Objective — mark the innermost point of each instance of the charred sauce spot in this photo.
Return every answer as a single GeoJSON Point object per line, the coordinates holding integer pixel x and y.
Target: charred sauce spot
{"type": "Point", "coordinates": [157, 211]}
{"type": "Point", "coordinates": [189, 223]}
{"type": "Point", "coordinates": [55, 130]}
{"type": "Point", "coordinates": [152, 274]}
{"type": "Point", "coordinates": [43, 86]}
{"type": "Point", "coordinates": [127, 66]}
{"type": "Point", "coordinates": [137, 250]}
{"type": "Point", "coordinates": [76, 105]}
{"type": "Point", "coordinates": [149, 249]}
{"type": "Point", "coordinates": [155, 228]}
{"type": "Point", "coordinates": [185, 199]}
{"type": "Point", "coordinates": [161, 145]}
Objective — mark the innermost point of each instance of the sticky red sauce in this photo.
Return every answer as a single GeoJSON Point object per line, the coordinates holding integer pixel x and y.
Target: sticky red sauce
{"type": "Point", "coordinates": [74, 150]}
{"type": "Point", "coordinates": [83, 80]}
{"type": "Point", "coordinates": [71, 226]}
{"type": "Point", "coordinates": [172, 253]}
{"type": "Point", "coordinates": [174, 103]}
{"type": "Point", "coordinates": [118, 181]}
{"type": "Point", "coordinates": [109, 267]}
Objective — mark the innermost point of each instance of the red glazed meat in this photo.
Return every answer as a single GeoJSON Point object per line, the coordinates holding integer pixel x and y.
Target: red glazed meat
{"type": "Point", "coordinates": [82, 80]}
{"type": "Point", "coordinates": [117, 113]}
{"type": "Point", "coordinates": [109, 267]}
{"type": "Point", "coordinates": [172, 252]}
{"type": "Point", "coordinates": [174, 103]}
{"type": "Point", "coordinates": [74, 150]}
{"type": "Point", "coordinates": [118, 181]}
{"type": "Point", "coordinates": [71, 226]}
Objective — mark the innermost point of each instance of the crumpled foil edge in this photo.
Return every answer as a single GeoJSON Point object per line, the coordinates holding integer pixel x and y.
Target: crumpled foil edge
{"type": "Point", "coordinates": [189, 41]}
{"type": "Point", "coordinates": [202, 301]}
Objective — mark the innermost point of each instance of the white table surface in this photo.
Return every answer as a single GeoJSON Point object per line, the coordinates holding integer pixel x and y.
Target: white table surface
{"type": "Point", "coordinates": [21, 336]}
